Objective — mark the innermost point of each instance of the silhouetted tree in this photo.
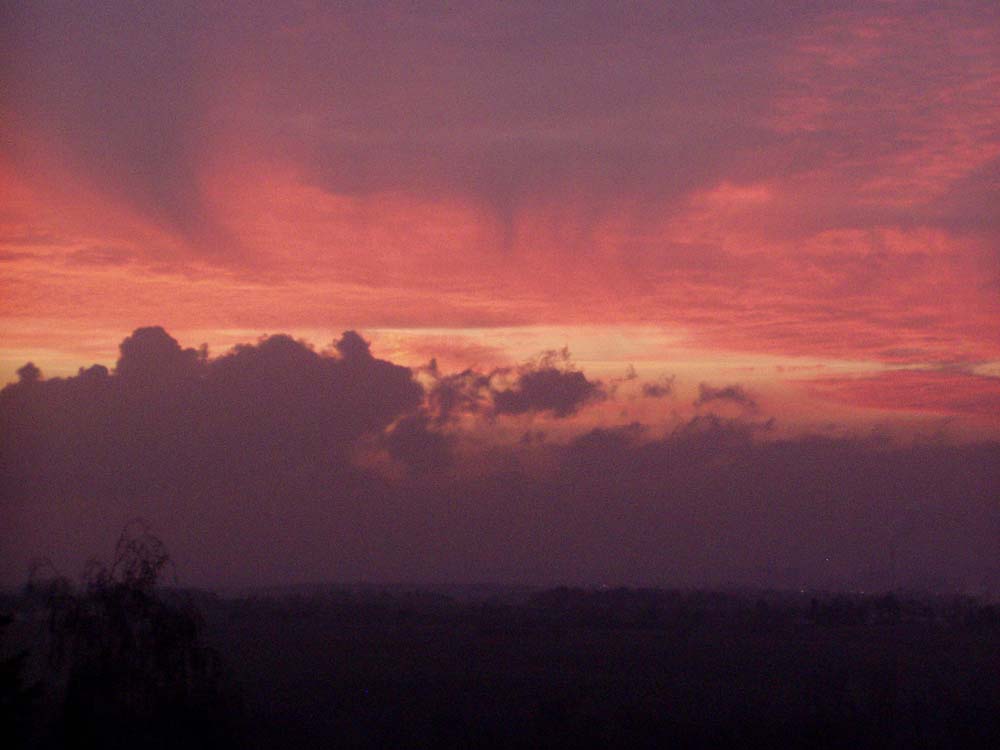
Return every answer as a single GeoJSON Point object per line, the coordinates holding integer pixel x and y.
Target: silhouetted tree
{"type": "Point", "coordinates": [128, 657]}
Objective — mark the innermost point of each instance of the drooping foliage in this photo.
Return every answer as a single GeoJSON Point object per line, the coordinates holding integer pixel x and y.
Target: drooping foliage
{"type": "Point", "coordinates": [127, 656]}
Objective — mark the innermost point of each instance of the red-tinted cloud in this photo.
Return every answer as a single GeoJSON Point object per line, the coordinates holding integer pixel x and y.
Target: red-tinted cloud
{"type": "Point", "coordinates": [811, 182]}
{"type": "Point", "coordinates": [940, 391]}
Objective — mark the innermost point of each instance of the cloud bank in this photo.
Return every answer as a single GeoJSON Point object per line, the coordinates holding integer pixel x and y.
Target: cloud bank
{"type": "Point", "coordinates": [277, 463]}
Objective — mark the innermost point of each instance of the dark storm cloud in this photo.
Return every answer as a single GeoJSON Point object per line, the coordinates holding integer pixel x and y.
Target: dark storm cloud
{"type": "Point", "coordinates": [166, 409]}
{"type": "Point", "coordinates": [710, 499]}
{"type": "Point", "coordinates": [248, 465]}
{"type": "Point", "coordinates": [549, 384]}
{"type": "Point", "coordinates": [417, 445]}
{"type": "Point", "coordinates": [562, 392]}
{"type": "Point", "coordinates": [207, 445]}
{"type": "Point", "coordinates": [151, 357]}
{"type": "Point", "coordinates": [457, 393]}
{"type": "Point", "coordinates": [711, 503]}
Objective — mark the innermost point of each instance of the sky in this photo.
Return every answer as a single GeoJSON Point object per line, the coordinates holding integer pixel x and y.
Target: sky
{"type": "Point", "coordinates": [763, 239]}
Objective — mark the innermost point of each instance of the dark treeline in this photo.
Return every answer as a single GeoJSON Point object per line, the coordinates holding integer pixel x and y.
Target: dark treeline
{"type": "Point", "coordinates": [563, 667]}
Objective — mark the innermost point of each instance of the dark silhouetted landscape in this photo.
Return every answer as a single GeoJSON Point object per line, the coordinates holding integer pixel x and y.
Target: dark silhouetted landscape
{"type": "Point", "coordinates": [490, 666]}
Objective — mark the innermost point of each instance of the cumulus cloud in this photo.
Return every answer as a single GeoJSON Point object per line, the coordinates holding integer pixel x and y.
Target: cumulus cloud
{"type": "Point", "coordinates": [168, 409]}
{"type": "Point", "coordinates": [246, 463]}
{"type": "Point", "coordinates": [458, 393]}
{"type": "Point", "coordinates": [150, 356]}
{"type": "Point", "coordinates": [561, 392]}
{"type": "Point", "coordinates": [548, 384]}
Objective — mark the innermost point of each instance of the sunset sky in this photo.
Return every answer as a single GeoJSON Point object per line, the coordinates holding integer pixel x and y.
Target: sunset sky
{"type": "Point", "coordinates": [783, 215]}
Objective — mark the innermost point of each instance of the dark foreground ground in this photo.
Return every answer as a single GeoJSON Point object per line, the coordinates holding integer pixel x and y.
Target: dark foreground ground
{"type": "Point", "coordinates": [383, 667]}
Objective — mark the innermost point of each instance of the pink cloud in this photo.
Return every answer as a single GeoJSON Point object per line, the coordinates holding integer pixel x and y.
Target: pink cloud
{"type": "Point", "coordinates": [818, 184]}
{"type": "Point", "coordinates": [939, 391]}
